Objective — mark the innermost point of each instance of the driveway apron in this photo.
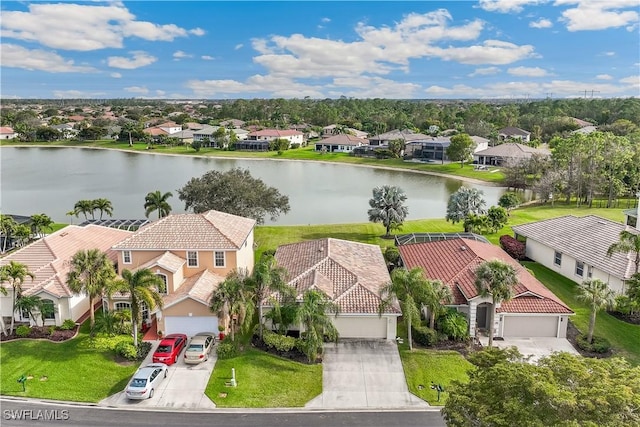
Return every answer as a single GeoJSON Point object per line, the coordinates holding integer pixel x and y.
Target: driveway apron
{"type": "Point", "coordinates": [363, 374]}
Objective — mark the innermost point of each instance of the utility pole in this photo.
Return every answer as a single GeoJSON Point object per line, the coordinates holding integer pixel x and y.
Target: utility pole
{"type": "Point", "coordinates": [594, 91]}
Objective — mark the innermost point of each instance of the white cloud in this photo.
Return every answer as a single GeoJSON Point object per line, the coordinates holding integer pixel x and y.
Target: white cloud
{"type": "Point", "coordinates": [140, 59]}
{"type": "Point", "coordinates": [325, 20]}
{"type": "Point", "coordinates": [238, 46]}
{"type": "Point", "coordinates": [116, 75]}
{"type": "Point", "coordinates": [276, 86]}
{"type": "Point", "coordinates": [633, 81]}
{"type": "Point", "coordinates": [76, 94]}
{"type": "Point", "coordinates": [178, 54]}
{"type": "Point", "coordinates": [485, 71]}
{"type": "Point", "coordinates": [527, 71]}
{"type": "Point", "coordinates": [541, 23]}
{"type": "Point", "coordinates": [137, 89]}
{"type": "Point", "coordinates": [160, 93]}
{"type": "Point", "coordinates": [508, 6]}
{"type": "Point", "coordinates": [604, 77]}
{"type": "Point", "coordinates": [41, 60]}
{"type": "Point", "coordinates": [373, 87]}
{"type": "Point", "coordinates": [490, 52]}
{"type": "Point", "coordinates": [207, 57]}
{"type": "Point", "coordinates": [197, 32]}
{"type": "Point", "coordinates": [599, 15]}
{"type": "Point", "coordinates": [83, 27]}
{"type": "Point", "coordinates": [610, 53]}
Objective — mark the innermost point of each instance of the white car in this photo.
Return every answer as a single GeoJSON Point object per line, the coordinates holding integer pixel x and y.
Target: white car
{"type": "Point", "coordinates": [145, 381]}
{"type": "Point", "coordinates": [199, 348]}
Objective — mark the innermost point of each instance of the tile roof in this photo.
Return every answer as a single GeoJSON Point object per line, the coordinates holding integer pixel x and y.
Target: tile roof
{"type": "Point", "coordinates": [209, 230]}
{"type": "Point", "coordinates": [454, 262]}
{"type": "Point", "coordinates": [167, 260]}
{"type": "Point", "coordinates": [343, 139]}
{"type": "Point", "coordinates": [198, 287]}
{"type": "Point", "coordinates": [352, 274]}
{"type": "Point", "coordinates": [586, 239]}
{"type": "Point", "coordinates": [48, 258]}
{"type": "Point", "coordinates": [6, 129]}
{"type": "Point", "coordinates": [510, 149]}
{"type": "Point", "coordinates": [512, 130]}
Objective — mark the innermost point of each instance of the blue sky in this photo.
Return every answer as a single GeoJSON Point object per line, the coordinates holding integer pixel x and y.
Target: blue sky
{"type": "Point", "coordinates": [296, 49]}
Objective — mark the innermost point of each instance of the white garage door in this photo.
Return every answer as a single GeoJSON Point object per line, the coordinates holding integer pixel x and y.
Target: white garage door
{"type": "Point", "coordinates": [361, 327]}
{"type": "Point", "coordinates": [190, 325]}
{"type": "Point", "coordinates": [530, 326]}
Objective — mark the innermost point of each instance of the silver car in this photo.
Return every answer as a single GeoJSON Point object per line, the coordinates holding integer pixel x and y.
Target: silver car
{"type": "Point", "coordinates": [145, 381]}
{"type": "Point", "coordinates": [199, 348]}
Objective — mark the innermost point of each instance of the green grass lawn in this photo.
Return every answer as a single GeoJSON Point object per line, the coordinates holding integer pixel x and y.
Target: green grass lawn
{"type": "Point", "coordinates": [264, 381]}
{"type": "Point", "coordinates": [74, 370]}
{"type": "Point", "coordinates": [624, 337]}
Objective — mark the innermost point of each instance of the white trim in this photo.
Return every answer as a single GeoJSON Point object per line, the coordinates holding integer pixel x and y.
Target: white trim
{"type": "Point", "coordinates": [224, 259]}
{"type": "Point", "coordinates": [189, 260]}
{"type": "Point", "coordinates": [124, 257]}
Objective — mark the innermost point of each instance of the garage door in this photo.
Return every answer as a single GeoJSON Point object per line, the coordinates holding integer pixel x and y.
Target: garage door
{"type": "Point", "coordinates": [190, 325]}
{"type": "Point", "coordinates": [530, 326]}
{"type": "Point", "coordinates": [361, 327]}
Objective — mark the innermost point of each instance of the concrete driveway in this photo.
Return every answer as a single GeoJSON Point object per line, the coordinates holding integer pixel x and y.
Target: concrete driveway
{"type": "Point", "coordinates": [535, 347]}
{"type": "Point", "coordinates": [182, 389]}
{"type": "Point", "coordinates": [364, 374]}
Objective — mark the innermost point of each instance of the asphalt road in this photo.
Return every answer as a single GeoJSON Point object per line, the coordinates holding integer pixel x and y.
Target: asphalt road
{"type": "Point", "coordinates": [34, 413]}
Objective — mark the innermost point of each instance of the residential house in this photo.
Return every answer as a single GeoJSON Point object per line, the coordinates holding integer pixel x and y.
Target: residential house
{"type": "Point", "coordinates": [534, 311]}
{"type": "Point", "coordinates": [405, 135]}
{"type": "Point", "coordinates": [293, 136]}
{"type": "Point", "coordinates": [631, 215]}
{"type": "Point", "coordinates": [512, 133]}
{"type": "Point", "coordinates": [67, 130]}
{"type": "Point", "coordinates": [507, 152]}
{"type": "Point", "coordinates": [350, 274]}
{"type": "Point", "coordinates": [48, 259]}
{"type": "Point", "coordinates": [331, 130]}
{"type": "Point", "coordinates": [341, 143]}
{"type": "Point", "coordinates": [192, 253]}
{"type": "Point", "coordinates": [170, 127]}
{"type": "Point", "coordinates": [7, 132]}
{"type": "Point", "coordinates": [435, 148]}
{"type": "Point", "coordinates": [234, 123]}
{"type": "Point", "coordinates": [576, 247]}
{"type": "Point", "coordinates": [205, 134]}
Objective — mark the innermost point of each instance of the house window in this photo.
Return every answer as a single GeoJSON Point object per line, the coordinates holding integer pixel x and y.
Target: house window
{"type": "Point", "coordinates": [48, 309]}
{"type": "Point", "coordinates": [219, 259]}
{"type": "Point", "coordinates": [162, 288]}
{"type": "Point", "coordinates": [557, 259]}
{"type": "Point", "coordinates": [144, 312]}
{"type": "Point", "coordinates": [126, 257]}
{"type": "Point", "coordinates": [579, 268]}
{"type": "Point", "coordinates": [192, 258]}
{"type": "Point", "coordinates": [120, 306]}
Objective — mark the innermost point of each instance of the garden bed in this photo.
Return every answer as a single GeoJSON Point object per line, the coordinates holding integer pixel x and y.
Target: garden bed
{"type": "Point", "coordinates": [43, 333]}
{"type": "Point", "coordinates": [294, 354]}
{"type": "Point", "coordinates": [634, 318]}
{"type": "Point", "coordinates": [572, 336]}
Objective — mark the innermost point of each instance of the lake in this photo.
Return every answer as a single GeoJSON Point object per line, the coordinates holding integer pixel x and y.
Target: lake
{"type": "Point", "coordinates": [51, 180]}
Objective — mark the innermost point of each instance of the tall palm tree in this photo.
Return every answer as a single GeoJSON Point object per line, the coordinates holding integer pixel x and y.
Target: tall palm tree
{"type": "Point", "coordinates": [231, 299]}
{"type": "Point", "coordinates": [156, 201]}
{"type": "Point", "coordinates": [387, 207]}
{"type": "Point", "coordinates": [464, 202]}
{"type": "Point", "coordinates": [597, 294]}
{"type": "Point", "coordinates": [410, 288]}
{"type": "Point", "coordinates": [629, 242]}
{"type": "Point", "coordinates": [313, 315]}
{"type": "Point", "coordinates": [7, 228]}
{"type": "Point", "coordinates": [142, 286]}
{"type": "Point", "coordinates": [90, 274]}
{"type": "Point", "coordinates": [103, 206]}
{"type": "Point", "coordinates": [267, 277]}
{"type": "Point", "coordinates": [41, 223]}
{"type": "Point", "coordinates": [497, 279]}
{"type": "Point", "coordinates": [15, 273]}
{"type": "Point", "coordinates": [439, 295]}
{"type": "Point", "coordinates": [84, 207]}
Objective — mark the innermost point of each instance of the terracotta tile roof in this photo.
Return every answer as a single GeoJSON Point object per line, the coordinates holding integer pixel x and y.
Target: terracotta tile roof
{"type": "Point", "coordinates": [154, 131]}
{"type": "Point", "coordinates": [454, 262]}
{"type": "Point", "coordinates": [210, 230]}
{"type": "Point", "coordinates": [6, 129]}
{"type": "Point", "coordinates": [167, 260]}
{"type": "Point", "coordinates": [48, 258]}
{"type": "Point", "coordinates": [198, 287]}
{"type": "Point", "coordinates": [351, 274]}
{"type": "Point", "coordinates": [584, 238]}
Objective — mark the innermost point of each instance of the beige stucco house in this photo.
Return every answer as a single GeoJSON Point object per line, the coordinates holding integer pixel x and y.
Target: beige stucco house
{"type": "Point", "coordinates": [192, 253]}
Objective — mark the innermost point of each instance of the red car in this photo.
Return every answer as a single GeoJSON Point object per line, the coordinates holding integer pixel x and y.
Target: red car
{"type": "Point", "coordinates": [169, 349]}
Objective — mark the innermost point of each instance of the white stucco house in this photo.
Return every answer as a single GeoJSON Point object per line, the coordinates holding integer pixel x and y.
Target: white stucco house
{"type": "Point", "coordinates": [7, 132]}
{"type": "Point", "coordinates": [341, 143]}
{"type": "Point", "coordinates": [534, 311]}
{"type": "Point", "coordinates": [293, 136]}
{"type": "Point", "coordinates": [576, 247]}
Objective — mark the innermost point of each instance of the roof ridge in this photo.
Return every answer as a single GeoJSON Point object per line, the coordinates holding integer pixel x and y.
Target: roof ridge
{"type": "Point", "coordinates": [205, 216]}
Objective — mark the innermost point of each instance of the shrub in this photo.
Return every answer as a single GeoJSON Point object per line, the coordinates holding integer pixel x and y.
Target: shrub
{"type": "Point", "coordinates": [295, 145]}
{"type": "Point", "coordinates": [598, 345]}
{"type": "Point", "coordinates": [454, 325]}
{"type": "Point", "coordinates": [67, 325]}
{"type": "Point", "coordinates": [278, 342]}
{"type": "Point", "coordinates": [424, 336]}
{"type": "Point", "coordinates": [515, 248]}
{"type": "Point", "coordinates": [143, 349]}
{"type": "Point", "coordinates": [52, 329]}
{"type": "Point", "coordinates": [227, 349]}
{"type": "Point", "coordinates": [23, 331]}
{"type": "Point", "coordinates": [126, 350]}
{"type": "Point", "coordinates": [509, 201]}
{"type": "Point", "coordinates": [392, 255]}
{"type": "Point", "coordinates": [105, 342]}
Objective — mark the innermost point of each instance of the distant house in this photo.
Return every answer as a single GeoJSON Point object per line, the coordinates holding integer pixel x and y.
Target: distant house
{"type": "Point", "coordinates": [585, 130]}
{"type": "Point", "coordinates": [350, 274]}
{"type": "Point", "coordinates": [67, 131]}
{"type": "Point", "coordinates": [170, 127]}
{"type": "Point", "coordinates": [331, 130]}
{"type": "Point", "coordinates": [253, 145]}
{"type": "Point", "coordinates": [7, 132]}
{"type": "Point", "coordinates": [205, 134]}
{"type": "Point", "coordinates": [534, 311]}
{"type": "Point", "coordinates": [341, 143]}
{"type": "Point", "coordinates": [510, 133]}
{"type": "Point", "coordinates": [576, 247]}
{"type": "Point", "coordinates": [184, 136]}
{"type": "Point", "coordinates": [631, 216]}
{"type": "Point", "coordinates": [293, 136]}
{"type": "Point", "coordinates": [435, 148]}
{"type": "Point", "coordinates": [403, 135]}
{"type": "Point", "coordinates": [503, 153]}
{"type": "Point", "coordinates": [234, 123]}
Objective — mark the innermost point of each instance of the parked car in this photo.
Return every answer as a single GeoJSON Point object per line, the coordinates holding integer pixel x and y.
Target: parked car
{"type": "Point", "coordinates": [170, 348]}
{"type": "Point", "coordinates": [199, 348]}
{"type": "Point", "coordinates": [145, 381]}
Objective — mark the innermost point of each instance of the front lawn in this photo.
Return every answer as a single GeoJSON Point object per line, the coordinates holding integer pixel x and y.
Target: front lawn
{"type": "Point", "coordinates": [624, 337]}
{"type": "Point", "coordinates": [72, 370]}
{"type": "Point", "coordinates": [264, 381]}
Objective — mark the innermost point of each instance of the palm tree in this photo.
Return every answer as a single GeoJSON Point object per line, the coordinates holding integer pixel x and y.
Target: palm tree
{"type": "Point", "coordinates": [33, 305]}
{"type": "Point", "coordinates": [439, 295]}
{"type": "Point", "coordinates": [84, 207]}
{"type": "Point", "coordinates": [597, 294]}
{"type": "Point", "coordinates": [232, 302]}
{"type": "Point", "coordinates": [387, 207]}
{"type": "Point", "coordinates": [496, 279]}
{"type": "Point", "coordinates": [629, 242]}
{"type": "Point", "coordinates": [15, 273]}
{"type": "Point", "coordinates": [22, 234]}
{"type": "Point", "coordinates": [464, 202]}
{"type": "Point", "coordinates": [267, 277]}
{"type": "Point", "coordinates": [40, 223]}
{"type": "Point", "coordinates": [103, 205]}
{"type": "Point", "coordinates": [7, 228]}
{"type": "Point", "coordinates": [90, 274]}
{"type": "Point", "coordinates": [156, 201]}
{"type": "Point", "coordinates": [312, 314]}
{"type": "Point", "coordinates": [410, 288]}
{"type": "Point", "coordinates": [142, 287]}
